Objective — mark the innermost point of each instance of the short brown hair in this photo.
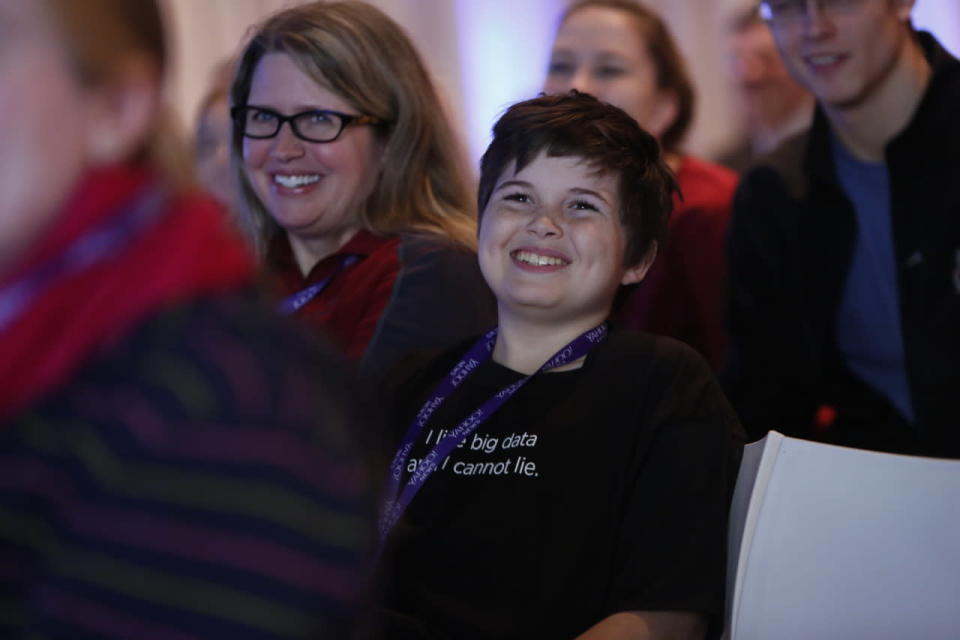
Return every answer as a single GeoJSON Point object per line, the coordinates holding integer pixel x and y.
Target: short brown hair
{"type": "Point", "coordinates": [671, 69]}
{"type": "Point", "coordinates": [362, 55]}
{"type": "Point", "coordinates": [577, 124]}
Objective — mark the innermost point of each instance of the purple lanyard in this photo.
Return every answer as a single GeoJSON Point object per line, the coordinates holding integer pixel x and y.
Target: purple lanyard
{"type": "Point", "coordinates": [93, 247]}
{"type": "Point", "coordinates": [293, 303]}
{"type": "Point", "coordinates": [397, 501]}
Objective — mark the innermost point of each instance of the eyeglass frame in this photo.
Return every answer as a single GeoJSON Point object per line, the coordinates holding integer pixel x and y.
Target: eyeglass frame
{"type": "Point", "coordinates": [766, 13]}
{"type": "Point", "coordinates": [237, 114]}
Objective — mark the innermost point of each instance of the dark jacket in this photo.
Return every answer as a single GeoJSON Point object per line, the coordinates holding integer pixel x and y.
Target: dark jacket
{"type": "Point", "coordinates": [790, 247]}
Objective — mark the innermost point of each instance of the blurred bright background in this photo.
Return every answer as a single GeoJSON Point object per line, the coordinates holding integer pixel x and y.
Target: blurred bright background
{"type": "Point", "coordinates": [486, 54]}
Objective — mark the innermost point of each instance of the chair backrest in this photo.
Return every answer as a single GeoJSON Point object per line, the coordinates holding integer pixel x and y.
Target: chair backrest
{"type": "Point", "coordinates": [832, 542]}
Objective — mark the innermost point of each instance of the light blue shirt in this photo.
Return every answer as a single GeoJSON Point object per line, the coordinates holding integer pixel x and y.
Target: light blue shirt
{"type": "Point", "coordinates": [869, 334]}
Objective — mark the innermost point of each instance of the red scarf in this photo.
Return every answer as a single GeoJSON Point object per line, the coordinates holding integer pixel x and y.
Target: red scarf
{"type": "Point", "coordinates": [186, 252]}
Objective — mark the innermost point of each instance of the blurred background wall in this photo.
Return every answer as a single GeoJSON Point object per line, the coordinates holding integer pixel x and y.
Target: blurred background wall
{"type": "Point", "coordinates": [485, 54]}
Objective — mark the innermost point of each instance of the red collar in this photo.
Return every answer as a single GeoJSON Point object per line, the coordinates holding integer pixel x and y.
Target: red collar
{"type": "Point", "coordinates": [280, 255]}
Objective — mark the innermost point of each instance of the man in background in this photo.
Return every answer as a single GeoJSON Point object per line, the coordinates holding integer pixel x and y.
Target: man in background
{"type": "Point", "coordinates": [773, 106]}
{"type": "Point", "coordinates": [845, 269]}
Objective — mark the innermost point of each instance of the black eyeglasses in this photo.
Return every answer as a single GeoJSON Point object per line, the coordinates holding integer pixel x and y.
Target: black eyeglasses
{"type": "Point", "coordinates": [316, 125]}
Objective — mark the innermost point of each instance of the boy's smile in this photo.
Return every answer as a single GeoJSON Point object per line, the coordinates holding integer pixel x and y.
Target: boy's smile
{"type": "Point", "coordinates": [551, 241]}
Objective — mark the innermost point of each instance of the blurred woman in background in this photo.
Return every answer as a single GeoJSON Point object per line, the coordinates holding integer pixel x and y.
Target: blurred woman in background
{"type": "Point", "coordinates": [175, 461]}
{"type": "Point", "coordinates": [211, 142]}
{"type": "Point", "coordinates": [353, 185]}
{"type": "Point", "coordinates": [623, 53]}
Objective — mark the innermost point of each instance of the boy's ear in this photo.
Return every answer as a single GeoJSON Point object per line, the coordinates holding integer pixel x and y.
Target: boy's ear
{"type": "Point", "coordinates": [638, 272]}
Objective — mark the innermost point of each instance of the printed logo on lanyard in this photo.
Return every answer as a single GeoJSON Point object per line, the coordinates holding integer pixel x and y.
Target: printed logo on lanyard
{"type": "Point", "coordinates": [293, 303]}
{"type": "Point", "coordinates": [93, 247]}
{"type": "Point", "coordinates": [956, 272]}
{"type": "Point", "coordinates": [397, 499]}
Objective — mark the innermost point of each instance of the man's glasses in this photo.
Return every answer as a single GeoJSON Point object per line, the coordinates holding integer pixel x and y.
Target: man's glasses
{"type": "Point", "coordinates": [786, 12]}
{"type": "Point", "coordinates": [316, 125]}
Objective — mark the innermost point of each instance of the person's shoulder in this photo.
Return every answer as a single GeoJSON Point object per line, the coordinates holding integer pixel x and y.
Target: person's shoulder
{"type": "Point", "coordinates": [700, 171]}
{"type": "Point", "coordinates": [427, 364]}
{"type": "Point", "coordinates": [665, 376]}
{"type": "Point", "coordinates": [736, 156]}
{"type": "Point", "coordinates": [419, 248]}
{"type": "Point", "coordinates": [438, 297]}
{"type": "Point", "coordinates": [264, 423]}
{"type": "Point", "coordinates": [230, 358]}
{"type": "Point", "coordinates": [405, 380]}
{"type": "Point", "coordinates": [438, 262]}
{"type": "Point", "coordinates": [649, 354]}
{"type": "Point", "coordinates": [930, 139]}
{"type": "Point", "coordinates": [448, 275]}
{"type": "Point", "coordinates": [779, 171]}
{"type": "Point", "coordinates": [706, 197]}
{"type": "Point", "coordinates": [769, 201]}
{"type": "Point", "coordinates": [945, 80]}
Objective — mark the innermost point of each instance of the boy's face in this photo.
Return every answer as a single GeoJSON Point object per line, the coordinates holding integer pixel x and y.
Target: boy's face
{"type": "Point", "coordinates": [552, 244]}
{"type": "Point", "coordinates": [842, 50]}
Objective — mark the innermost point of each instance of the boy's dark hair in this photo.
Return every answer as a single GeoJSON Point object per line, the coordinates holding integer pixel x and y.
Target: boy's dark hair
{"type": "Point", "coordinates": [577, 124]}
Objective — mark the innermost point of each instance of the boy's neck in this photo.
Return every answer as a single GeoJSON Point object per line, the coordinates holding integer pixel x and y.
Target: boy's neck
{"type": "Point", "coordinates": [866, 129]}
{"type": "Point", "coordinates": [524, 344]}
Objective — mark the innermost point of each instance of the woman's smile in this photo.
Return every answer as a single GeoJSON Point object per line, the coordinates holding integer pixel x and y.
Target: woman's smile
{"type": "Point", "coordinates": [298, 183]}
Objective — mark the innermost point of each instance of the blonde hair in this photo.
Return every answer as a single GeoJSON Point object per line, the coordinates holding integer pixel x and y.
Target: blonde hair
{"type": "Point", "coordinates": [99, 35]}
{"type": "Point", "coordinates": [356, 51]}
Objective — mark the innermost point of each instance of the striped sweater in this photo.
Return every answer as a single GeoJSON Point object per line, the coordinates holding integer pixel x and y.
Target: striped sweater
{"type": "Point", "coordinates": [199, 478]}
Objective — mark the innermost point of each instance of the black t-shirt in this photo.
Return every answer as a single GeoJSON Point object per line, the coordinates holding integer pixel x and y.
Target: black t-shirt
{"type": "Point", "coordinates": [590, 492]}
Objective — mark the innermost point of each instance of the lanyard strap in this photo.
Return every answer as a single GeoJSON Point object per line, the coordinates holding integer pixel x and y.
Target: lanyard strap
{"type": "Point", "coordinates": [294, 302]}
{"type": "Point", "coordinates": [93, 247]}
{"type": "Point", "coordinates": [397, 501]}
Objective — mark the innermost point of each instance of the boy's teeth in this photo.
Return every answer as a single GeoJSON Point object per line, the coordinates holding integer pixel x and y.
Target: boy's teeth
{"type": "Point", "coordinates": [538, 260]}
{"type": "Point", "coordinates": [295, 181]}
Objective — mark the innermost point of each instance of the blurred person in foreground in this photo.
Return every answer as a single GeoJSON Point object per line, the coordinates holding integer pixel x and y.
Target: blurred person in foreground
{"type": "Point", "coordinates": [845, 309]}
{"type": "Point", "coordinates": [353, 184]}
{"type": "Point", "coordinates": [175, 461]}
{"type": "Point", "coordinates": [560, 477]}
{"type": "Point", "coordinates": [623, 53]}
{"type": "Point", "coordinates": [773, 106]}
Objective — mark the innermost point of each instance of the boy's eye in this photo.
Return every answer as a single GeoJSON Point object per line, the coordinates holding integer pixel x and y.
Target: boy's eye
{"type": "Point", "coordinates": [583, 205]}
{"type": "Point", "coordinates": [517, 197]}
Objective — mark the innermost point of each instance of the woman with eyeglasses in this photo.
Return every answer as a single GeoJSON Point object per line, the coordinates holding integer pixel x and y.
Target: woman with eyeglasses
{"type": "Point", "coordinates": [353, 185]}
{"type": "Point", "coordinates": [623, 53]}
{"type": "Point", "coordinates": [176, 461]}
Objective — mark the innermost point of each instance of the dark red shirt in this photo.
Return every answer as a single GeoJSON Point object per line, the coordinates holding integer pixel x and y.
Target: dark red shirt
{"type": "Point", "coordinates": [405, 293]}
